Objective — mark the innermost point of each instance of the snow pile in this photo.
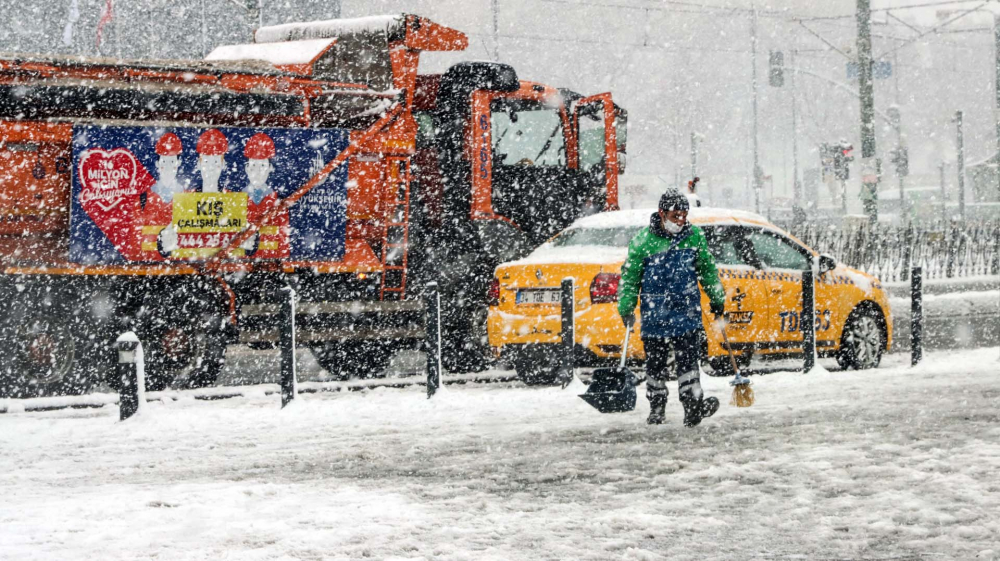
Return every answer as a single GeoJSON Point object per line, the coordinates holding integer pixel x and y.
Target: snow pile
{"type": "Point", "coordinates": [292, 52]}
{"type": "Point", "coordinates": [898, 463]}
{"type": "Point", "coordinates": [591, 254]}
{"type": "Point", "coordinates": [957, 304]}
{"type": "Point", "coordinates": [328, 29]}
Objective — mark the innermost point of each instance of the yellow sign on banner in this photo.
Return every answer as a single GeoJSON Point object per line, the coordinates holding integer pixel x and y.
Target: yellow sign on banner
{"type": "Point", "coordinates": [210, 213]}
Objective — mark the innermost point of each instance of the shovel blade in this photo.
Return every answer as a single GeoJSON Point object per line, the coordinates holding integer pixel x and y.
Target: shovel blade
{"type": "Point", "coordinates": [612, 390]}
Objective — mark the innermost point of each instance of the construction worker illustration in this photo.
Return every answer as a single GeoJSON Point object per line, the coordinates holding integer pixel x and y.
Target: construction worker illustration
{"type": "Point", "coordinates": [157, 205]}
{"type": "Point", "coordinates": [212, 147]}
{"type": "Point", "coordinates": [272, 241]}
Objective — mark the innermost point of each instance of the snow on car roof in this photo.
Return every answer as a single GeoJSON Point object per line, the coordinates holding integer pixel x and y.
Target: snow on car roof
{"type": "Point", "coordinates": [640, 217]}
{"type": "Point", "coordinates": [291, 52]}
{"type": "Point", "coordinates": [327, 29]}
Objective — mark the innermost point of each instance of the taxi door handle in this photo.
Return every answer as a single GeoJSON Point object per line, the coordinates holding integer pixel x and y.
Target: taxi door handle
{"type": "Point", "coordinates": [775, 291]}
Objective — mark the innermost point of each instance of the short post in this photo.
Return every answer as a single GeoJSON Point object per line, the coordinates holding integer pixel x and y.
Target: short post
{"type": "Point", "coordinates": [567, 361]}
{"type": "Point", "coordinates": [807, 323]}
{"type": "Point", "coordinates": [131, 372]}
{"type": "Point", "coordinates": [287, 345]}
{"type": "Point", "coordinates": [916, 315]}
{"type": "Point", "coordinates": [432, 345]}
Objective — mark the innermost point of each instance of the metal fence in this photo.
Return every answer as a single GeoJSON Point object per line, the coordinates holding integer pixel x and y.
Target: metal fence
{"type": "Point", "coordinates": [944, 250]}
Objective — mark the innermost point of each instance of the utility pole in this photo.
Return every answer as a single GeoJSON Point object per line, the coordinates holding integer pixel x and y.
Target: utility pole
{"type": "Point", "coordinates": [495, 7]}
{"type": "Point", "coordinates": [866, 91]}
{"type": "Point", "coordinates": [753, 65]}
{"type": "Point", "coordinates": [961, 165]}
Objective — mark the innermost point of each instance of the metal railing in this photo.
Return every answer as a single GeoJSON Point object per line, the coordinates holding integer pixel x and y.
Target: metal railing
{"type": "Point", "coordinates": [943, 250]}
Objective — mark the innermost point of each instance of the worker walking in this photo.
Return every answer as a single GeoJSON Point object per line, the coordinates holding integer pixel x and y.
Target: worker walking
{"type": "Point", "coordinates": [666, 262]}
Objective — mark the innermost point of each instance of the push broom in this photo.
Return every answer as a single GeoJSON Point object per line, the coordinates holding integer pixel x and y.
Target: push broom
{"type": "Point", "coordinates": [742, 392]}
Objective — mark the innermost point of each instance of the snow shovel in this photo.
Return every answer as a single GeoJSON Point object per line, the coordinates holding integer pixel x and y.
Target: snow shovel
{"type": "Point", "coordinates": [612, 390]}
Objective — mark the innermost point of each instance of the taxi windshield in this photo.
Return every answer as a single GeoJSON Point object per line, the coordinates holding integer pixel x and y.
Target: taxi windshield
{"type": "Point", "coordinates": [613, 237]}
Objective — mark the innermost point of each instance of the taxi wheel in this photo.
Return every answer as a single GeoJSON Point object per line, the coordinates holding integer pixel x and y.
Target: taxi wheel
{"type": "Point", "coordinates": [536, 369]}
{"type": "Point", "coordinates": [863, 341]}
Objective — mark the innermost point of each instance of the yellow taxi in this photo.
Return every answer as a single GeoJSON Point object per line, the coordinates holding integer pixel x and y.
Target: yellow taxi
{"type": "Point", "coordinates": [760, 266]}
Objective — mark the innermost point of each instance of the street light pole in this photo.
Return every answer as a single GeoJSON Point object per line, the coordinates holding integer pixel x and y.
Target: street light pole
{"type": "Point", "coordinates": [996, 114]}
{"type": "Point", "coordinates": [694, 154]}
{"type": "Point", "coordinates": [753, 65]}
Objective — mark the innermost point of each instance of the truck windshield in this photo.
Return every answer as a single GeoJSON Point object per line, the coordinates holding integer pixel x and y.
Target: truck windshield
{"type": "Point", "coordinates": [527, 134]}
{"type": "Point", "coordinates": [613, 237]}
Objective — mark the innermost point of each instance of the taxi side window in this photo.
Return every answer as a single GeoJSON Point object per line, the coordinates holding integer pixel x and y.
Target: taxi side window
{"type": "Point", "coordinates": [730, 246]}
{"type": "Point", "coordinates": [776, 252]}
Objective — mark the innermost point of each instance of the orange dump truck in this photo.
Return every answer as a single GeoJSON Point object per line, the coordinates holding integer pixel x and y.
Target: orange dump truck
{"type": "Point", "coordinates": [175, 198]}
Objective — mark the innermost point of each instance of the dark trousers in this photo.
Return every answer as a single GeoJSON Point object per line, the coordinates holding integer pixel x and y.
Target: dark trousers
{"type": "Point", "coordinates": [668, 357]}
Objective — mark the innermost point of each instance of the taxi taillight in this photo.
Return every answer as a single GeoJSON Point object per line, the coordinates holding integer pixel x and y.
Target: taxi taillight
{"type": "Point", "coordinates": [604, 289]}
{"type": "Point", "coordinates": [493, 295]}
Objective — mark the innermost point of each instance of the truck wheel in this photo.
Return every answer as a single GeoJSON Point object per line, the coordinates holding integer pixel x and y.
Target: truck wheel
{"type": "Point", "coordinates": [193, 353]}
{"type": "Point", "coordinates": [46, 354]}
{"type": "Point", "coordinates": [863, 341]}
{"type": "Point", "coordinates": [353, 359]}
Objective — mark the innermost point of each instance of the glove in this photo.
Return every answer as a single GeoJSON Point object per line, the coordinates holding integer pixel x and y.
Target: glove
{"type": "Point", "coordinates": [628, 319]}
{"type": "Point", "coordinates": [718, 310]}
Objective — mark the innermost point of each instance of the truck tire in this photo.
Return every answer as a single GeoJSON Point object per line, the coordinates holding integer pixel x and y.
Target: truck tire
{"type": "Point", "coordinates": [353, 359]}
{"type": "Point", "coordinates": [193, 354]}
{"type": "Point", "coordinates": [48, 351]}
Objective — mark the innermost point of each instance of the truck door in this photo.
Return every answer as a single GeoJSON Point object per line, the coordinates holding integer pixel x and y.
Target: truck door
{"type": "Point", "coordinates": [597, 146]}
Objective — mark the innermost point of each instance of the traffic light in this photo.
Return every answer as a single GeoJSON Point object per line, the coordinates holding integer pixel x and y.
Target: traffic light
{"type": "Point", "coordinates": [776, 62]}
{"type": "Point", "coordinates": [901, 158]}
{"type": "Point", "coordinates": [841, 158]}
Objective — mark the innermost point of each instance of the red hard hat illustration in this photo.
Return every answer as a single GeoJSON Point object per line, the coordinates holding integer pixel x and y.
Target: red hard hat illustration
{"type": "Point", "coordinates": [259, 147]}
{"type": "Point", "coordinates": [168, 145]}
{"type": "Point", "coordinates": [212, 143]}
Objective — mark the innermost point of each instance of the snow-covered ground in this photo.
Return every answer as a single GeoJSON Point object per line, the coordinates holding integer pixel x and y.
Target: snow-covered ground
{"type": "Point", "coordinates": [898, 463]}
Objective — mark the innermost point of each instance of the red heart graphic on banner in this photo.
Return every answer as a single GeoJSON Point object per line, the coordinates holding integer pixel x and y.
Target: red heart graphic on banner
{"type": "Point", "coordinates": [111, 182]}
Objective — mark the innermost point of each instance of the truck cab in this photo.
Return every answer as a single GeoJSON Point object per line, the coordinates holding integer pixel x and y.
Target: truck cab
{"type": "Point", "coordinates": [501, 165]}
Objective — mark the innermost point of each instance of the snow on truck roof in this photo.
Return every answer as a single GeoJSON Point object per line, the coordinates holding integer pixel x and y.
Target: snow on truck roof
{"type": "Point", "coordinates": [640, 217]}
{"type": "Point", "coordinates": [278, 54]}
{"type": "Point", "coordinates": [329, 29]}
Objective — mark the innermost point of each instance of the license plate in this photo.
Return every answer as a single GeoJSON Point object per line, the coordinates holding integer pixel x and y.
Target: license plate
{"type": "Point", "coordinates": [539, 296]}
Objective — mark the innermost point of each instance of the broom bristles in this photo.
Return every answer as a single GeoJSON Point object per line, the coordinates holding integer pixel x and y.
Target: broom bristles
{"type": "Point", "coordinates": [742, 395]}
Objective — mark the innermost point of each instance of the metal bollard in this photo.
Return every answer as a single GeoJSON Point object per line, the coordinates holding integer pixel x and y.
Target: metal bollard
{"type": "Point", "coordinates": [916, 315]}
{"type": "Point", "coordinates": [432, 345]}
{"type": "Point", "coordinates": [289, 384]}
{"type": "Point", "coordinates": [807, 323]}
{"type": "Point", "coordinates": [131, 372]}
{"type": "Point", "coordinates": [566, 360]}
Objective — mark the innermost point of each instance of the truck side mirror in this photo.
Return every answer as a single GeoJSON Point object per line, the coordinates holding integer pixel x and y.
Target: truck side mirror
{"type": "Point", "coordinates": [826, 263]}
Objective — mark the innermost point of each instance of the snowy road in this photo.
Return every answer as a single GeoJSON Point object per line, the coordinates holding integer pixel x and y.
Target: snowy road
{"type": "Point", "coordinates": [895, 464]}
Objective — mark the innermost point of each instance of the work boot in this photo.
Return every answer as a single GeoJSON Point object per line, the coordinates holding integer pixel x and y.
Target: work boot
{"type": "Point", "coordinates": [657, 410]}
{"type": "Point", "coordinates": [697, 409]}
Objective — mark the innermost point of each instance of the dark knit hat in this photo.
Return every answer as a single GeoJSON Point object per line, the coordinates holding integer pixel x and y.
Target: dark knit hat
{"type": "Point", "coordinates": [673, 199]}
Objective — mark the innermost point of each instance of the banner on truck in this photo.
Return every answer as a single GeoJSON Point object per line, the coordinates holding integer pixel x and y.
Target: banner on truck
{"type": "Point", "coordinates": [147, 194]}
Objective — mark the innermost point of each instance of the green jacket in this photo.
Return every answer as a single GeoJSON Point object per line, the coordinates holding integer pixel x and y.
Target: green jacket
{"type": "Point", "coordinates": [648, 243]}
